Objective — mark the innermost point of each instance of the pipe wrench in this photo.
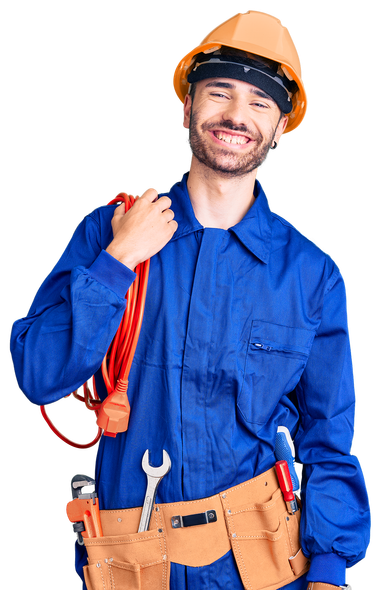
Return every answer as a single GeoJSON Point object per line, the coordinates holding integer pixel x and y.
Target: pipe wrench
{"type": "Point", "coordinates": [83, 511]}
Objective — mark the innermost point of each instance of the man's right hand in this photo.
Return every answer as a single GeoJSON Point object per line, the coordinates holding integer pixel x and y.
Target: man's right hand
{"type": "Point", "coordinates": [143, 230]}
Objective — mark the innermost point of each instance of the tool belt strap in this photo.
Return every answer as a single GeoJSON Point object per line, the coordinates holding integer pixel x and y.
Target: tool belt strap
{"type": "Point", "coordinates": [197, 533]}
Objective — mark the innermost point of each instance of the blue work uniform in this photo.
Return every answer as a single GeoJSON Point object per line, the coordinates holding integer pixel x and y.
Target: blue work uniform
{"type": "Point", "coordinates": [244, 330]}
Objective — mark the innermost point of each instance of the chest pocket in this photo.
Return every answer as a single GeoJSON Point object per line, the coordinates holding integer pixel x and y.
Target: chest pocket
{"type": "Point", "coordinates": [276, 358]}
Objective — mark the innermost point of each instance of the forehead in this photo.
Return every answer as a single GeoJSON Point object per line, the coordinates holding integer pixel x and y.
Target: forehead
{"type": "Point", "coordinates": [234, 85]}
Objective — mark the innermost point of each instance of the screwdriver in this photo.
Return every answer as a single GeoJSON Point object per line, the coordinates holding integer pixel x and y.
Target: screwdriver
{"type": "Point", "coordinates": [285, 483]}
{"type": "Point", "coordinates": [284, 449]}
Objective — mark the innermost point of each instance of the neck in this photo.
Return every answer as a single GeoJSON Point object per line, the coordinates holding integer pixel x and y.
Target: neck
{"type": "Point", "coordinates": [219, 201]}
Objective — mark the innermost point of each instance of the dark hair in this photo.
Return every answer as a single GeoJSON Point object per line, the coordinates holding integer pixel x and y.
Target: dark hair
{"type": "Point", "coordinates": [192, 90]}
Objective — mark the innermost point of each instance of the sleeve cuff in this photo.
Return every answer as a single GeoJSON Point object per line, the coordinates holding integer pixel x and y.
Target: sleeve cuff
{"type": "Point", "coordinates": [111, 273]}
{"type": "Point", "coordinates": [328, 568]}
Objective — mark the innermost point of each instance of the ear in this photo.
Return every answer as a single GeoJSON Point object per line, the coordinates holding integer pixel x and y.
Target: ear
{"type": "Point", "coordinates": [280, 128]}
{"type": "Point", "coordinates": [187, 110]}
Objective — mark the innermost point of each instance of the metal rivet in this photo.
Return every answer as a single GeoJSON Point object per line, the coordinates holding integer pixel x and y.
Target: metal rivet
{"type": "Point", "coordinates": [98, 564]}
{"type": "Point", "coordinates": [287, 517]}
{"type": "Point", "coordinates": [160, 530]}
{"type": "Point", "coordinates": [106, 561]}
{"type": "Point", "coordinates": [157, 509]}
{"type": "Point", "coordinates": [234, 535]}
{"type": "Point", "coordinates": [119, 519]}
{"type": "Point", "coordinates": [224, 496]}
{"type": "Point", "coordinates": [111, 559]}
{"type": "Point", "coordinates": [229, 511]}
{"type": "Point", "coordinates": [266, 483]}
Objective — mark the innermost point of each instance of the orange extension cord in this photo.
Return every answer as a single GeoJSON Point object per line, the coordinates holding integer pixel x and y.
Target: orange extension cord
{"type": "Point", "coordinates": [113, 413]}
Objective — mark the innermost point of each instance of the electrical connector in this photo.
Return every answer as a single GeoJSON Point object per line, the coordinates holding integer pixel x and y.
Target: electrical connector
{"type": "Point", "coordinates": [113, 414]}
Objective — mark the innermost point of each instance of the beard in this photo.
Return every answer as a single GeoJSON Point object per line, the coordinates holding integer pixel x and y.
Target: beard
{"type": "Point", "coordinates": [225, 162]}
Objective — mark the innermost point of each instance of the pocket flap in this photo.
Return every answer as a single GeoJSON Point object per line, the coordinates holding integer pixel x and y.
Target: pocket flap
{"type": "Point", "coordinates": [282, 338]}
{"type": "Point", "coordinates": [142, 547]}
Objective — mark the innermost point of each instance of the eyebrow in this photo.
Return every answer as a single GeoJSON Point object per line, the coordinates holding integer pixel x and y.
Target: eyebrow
{"type": "Point", "coordinates": [231, 86]}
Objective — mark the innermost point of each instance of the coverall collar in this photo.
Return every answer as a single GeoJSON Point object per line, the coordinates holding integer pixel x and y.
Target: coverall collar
{"type": "Point", "coordinates": [254, 230]}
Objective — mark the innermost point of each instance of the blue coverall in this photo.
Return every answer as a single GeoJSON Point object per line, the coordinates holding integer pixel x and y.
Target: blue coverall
{"type": "Point", "coordinates": [244, 330]}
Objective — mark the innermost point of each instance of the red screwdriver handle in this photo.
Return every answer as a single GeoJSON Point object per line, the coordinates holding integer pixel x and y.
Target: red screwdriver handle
{"type": "Point", "coordinates": [285, 481]}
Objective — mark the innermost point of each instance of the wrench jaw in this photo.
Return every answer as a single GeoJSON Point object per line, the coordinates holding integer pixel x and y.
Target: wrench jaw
{"type": "Point", "coordinates": [158, 472]}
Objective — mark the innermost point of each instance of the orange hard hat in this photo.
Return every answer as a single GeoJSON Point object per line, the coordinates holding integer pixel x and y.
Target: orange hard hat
{"type": "Point", "coordinates": [258, 34]}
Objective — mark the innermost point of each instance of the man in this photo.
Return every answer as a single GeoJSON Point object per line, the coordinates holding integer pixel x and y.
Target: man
{"type": "Point", "coordinates": [244, 332]}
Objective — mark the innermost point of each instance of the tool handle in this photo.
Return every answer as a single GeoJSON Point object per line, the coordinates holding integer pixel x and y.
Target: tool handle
{"type": "Point", "coordinates": [86, 511]}
{"type": "Point", "coordinates": [284, 449]}
{"type": "Point", "coordinates": [285, 481]}
{"type": "Point", "coordinates": [151, 491]}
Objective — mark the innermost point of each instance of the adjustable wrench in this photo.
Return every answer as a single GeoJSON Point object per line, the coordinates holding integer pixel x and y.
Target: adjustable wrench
{"type": "Point", "coordinates": [154, 476]}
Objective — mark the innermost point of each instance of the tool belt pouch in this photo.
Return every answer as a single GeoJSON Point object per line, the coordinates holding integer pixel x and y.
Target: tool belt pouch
{"type": "Point", "coordinates": [137, 561]}
{"type": "Point", "coordinates": [264, 536]}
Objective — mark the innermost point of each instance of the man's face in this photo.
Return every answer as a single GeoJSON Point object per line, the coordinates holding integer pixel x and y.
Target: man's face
{"type": "Point", "coordinates": [232, 125]}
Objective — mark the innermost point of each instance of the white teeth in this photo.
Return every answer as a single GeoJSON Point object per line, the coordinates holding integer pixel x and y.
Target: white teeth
{"type": "Point", "coordinates": [238, 139]}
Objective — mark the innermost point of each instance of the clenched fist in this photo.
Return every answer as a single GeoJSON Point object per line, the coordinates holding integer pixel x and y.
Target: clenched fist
{"type": "Point", "coordinates": [143, 230]}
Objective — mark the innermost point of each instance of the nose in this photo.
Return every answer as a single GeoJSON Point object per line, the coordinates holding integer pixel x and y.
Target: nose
{"type": "Point", "coordinates": [235, 113]}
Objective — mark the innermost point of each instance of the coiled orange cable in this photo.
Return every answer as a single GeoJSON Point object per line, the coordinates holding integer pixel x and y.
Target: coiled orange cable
{"type": "Point", "coordinates": [113, 413]}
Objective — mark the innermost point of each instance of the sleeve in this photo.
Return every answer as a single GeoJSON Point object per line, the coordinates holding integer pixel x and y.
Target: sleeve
{"type": "Point", "coordinates": [335, 523]}
{"type": "Point", "coordinates": [73, 319]}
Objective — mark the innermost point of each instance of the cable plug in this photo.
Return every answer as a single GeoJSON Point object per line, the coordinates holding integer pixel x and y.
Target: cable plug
{"type": "Point", "coordinates": [113, 414]}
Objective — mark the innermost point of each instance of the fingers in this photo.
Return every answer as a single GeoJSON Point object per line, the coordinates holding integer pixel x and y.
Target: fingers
{"type": "Point", "coordinates": [168, 215]}
{"type": "Point", "coordinates": [149, 199]}
{"type": "Point", "coordinates": [150, 195]}
{"type": "Point", "coordinates": [150, 206]}
{"type": "Point", "coordinates": [173, 225]}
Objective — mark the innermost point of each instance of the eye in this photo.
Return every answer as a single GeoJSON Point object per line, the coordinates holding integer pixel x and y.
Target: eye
{"type": "Point", "coordinates": [218, 95]}
{"type": "Point", "coordinates": [260, 105]}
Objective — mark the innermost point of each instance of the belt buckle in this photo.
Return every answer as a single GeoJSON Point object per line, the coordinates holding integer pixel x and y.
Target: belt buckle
{"type": "Point", "coordinates": [179, 522]}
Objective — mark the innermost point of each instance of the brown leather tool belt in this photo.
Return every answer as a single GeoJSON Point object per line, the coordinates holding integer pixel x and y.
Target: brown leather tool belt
{"type": "Point", "coordinates": [251, 519]}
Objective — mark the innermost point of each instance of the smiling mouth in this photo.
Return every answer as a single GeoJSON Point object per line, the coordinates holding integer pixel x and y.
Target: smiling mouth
{"type": "Point", "coordinates": [233, 139]}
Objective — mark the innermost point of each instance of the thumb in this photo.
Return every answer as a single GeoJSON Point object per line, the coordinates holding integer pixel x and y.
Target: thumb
{"type": "Point", "coordinates": [120, 210]}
